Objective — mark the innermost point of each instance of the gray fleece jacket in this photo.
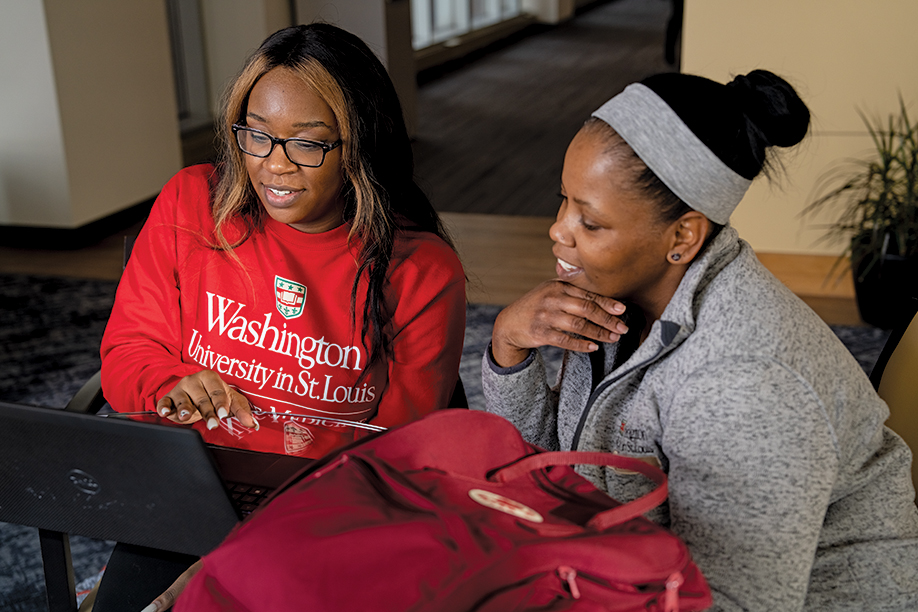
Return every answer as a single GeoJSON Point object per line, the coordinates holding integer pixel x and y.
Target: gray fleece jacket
{"type": "Point", "coordinates": [783, 481]}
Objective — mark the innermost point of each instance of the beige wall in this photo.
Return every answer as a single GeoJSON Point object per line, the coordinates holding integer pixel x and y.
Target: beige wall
{"type": "Point", "coordinates": [385, 26]}
{"type": "Point", "coordinates": [91, 111]}
{"type": "Point", "coordinates": [116, 95]}
{"type": "Point", "coordinates": [33, 170]}
{"type": "Point", "coordinates": [841, 55]}
{"type": "Point", "coordinates": [233, 29]}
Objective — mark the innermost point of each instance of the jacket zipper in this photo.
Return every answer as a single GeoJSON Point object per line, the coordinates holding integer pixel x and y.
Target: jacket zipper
{"type": "Point", "coordinates": [602, 387]}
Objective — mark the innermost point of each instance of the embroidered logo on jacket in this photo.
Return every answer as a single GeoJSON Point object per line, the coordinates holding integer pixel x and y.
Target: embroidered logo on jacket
{"type": "Point", "coordinates": [289, 297]}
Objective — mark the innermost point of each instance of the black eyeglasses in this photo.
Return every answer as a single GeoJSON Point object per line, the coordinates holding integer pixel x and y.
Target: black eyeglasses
{"type": "Point", "coordinates": [300, 151]}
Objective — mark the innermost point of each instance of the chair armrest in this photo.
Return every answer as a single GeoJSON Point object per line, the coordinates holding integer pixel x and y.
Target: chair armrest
{"type": "Point", "coordinates": [89, 399]}
{"type": "Point", "coordinates": [459, 399]}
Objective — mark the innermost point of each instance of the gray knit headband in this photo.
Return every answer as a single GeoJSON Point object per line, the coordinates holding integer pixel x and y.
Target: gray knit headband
{"type": "Point", "coordinates": [672, 151]}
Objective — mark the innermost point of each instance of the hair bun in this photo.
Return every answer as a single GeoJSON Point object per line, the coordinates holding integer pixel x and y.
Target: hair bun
{"type": "Point", "coordinates": [772, 106]}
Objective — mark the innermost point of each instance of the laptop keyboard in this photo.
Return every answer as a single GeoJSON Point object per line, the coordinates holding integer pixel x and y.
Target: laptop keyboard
{"type": "Point", "coordinates": [247, 497]}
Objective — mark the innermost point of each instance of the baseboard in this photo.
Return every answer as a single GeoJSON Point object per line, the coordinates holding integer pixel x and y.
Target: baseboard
{"type": "Point", "coordinates": [823, 276]}
{"type": "Point", "coordinates": [432, 61]}
{"type": "Point", "coordinates": [15, 236]}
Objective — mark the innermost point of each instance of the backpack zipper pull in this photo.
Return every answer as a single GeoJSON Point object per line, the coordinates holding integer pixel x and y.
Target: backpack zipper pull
{"type": "Point", "coordinates": [569, 575]}
{"type": "Point", "coordinates": [328, 468]}
{"type": "Point", "coordinates": [671, 597]}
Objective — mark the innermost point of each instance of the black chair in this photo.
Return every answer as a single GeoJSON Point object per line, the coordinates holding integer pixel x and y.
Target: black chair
{"type": "Point", "coordinates": [60, 584]}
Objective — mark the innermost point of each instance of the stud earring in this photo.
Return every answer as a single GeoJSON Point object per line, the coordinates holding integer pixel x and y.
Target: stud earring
{"type": "Point", "coordinates": [675, 257]}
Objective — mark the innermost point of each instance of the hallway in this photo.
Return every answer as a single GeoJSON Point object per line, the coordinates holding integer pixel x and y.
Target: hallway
{"type": "Point", "coordinates": [492, 134]}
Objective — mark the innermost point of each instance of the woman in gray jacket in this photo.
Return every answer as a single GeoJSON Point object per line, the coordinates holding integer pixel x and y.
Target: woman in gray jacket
{"type": "Point", "coordinates": [684, 351]}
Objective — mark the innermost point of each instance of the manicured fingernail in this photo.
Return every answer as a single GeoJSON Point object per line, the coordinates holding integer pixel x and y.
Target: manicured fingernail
{"type": "Point", "coordinates": [212, 423]}
{"type": "Point", "coordinates": [151, 608]}
{"type": "Point", "coordinates": [222, 413]}
{"type": "Point", "coordinates": [184, 414]}
{"type": "Point", "coordinates": [257, 426]}
{"type": "Point", "coordinates": [164, 412]}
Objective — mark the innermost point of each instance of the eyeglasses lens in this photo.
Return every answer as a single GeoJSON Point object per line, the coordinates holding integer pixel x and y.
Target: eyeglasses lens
{"type": "Point", "coordinates": [304, 153]}
{"type": "Point", "coordinates": [299, 152]}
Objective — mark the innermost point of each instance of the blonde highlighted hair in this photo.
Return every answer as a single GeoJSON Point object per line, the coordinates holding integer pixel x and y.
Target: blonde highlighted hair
{"type": "Point", "coordinates": [380, 195]}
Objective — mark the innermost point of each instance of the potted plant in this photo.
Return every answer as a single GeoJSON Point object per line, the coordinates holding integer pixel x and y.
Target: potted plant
{"type": "Point", "coordinates": [879, 218]}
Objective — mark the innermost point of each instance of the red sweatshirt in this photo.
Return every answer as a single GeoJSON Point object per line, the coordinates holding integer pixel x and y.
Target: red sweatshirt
{"type": "Point", "coordinates": [273, 318]}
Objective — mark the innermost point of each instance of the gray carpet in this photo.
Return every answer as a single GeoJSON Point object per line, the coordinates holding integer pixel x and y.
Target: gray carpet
{"type": "Point", "coordinates": [50, 329]}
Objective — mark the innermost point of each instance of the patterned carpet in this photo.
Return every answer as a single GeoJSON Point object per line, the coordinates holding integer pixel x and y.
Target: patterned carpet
{"type": "Point", "coordinates": [50, 329]}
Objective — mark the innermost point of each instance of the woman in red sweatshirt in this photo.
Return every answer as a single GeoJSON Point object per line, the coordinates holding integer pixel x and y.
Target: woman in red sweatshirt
{"type": "Point", "coordinates": [303, 280]}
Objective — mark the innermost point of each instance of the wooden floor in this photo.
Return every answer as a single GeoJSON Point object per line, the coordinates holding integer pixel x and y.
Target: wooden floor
{"type": "Point", "coordinates": [492, 134]}
{"type": "Point", "coordinates": [504, 256]}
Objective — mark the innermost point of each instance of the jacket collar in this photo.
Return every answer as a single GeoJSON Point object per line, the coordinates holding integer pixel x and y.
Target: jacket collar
{"type": "Point", "coordinates": [679, 317]}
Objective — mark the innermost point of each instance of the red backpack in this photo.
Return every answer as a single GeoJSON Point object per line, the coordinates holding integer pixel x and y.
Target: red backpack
{"type": "Point", "coordinates": [454, 512]}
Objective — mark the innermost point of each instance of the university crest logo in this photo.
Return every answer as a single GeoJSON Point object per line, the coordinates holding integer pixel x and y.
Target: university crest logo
{"type": "Point", "coordinates": [289, 297]}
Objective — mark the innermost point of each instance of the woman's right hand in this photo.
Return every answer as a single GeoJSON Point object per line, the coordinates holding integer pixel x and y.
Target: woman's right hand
{"type": "Point", "coordinates": [204, 395]}
{"type": "Point", "coordinates": [555, 313]}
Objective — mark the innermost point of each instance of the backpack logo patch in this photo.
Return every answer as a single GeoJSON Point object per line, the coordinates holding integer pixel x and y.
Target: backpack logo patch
{"type": "Point", "coordinates": [505, 505]}
{"type": "Point", "coordinates": [289, 297]}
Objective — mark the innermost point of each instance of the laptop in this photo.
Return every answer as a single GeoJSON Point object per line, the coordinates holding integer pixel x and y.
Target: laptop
{"type": "Point", "coordinates": [132, 482]}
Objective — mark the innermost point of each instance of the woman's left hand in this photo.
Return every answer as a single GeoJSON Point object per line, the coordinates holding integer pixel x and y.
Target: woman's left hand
{"type": "Point", "coordinates": [555, 313]}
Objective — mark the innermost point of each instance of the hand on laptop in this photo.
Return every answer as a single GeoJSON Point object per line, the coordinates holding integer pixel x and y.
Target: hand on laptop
{"type": "Point", "coordinates": [204, 395]}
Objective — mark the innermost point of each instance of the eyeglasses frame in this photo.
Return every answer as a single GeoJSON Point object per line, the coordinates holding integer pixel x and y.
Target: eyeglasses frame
{"type": "Point", "coordinates": [326, 147]}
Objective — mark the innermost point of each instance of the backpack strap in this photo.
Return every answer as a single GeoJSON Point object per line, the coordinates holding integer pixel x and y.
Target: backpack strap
{"type": "Point", "coordinates": [607, 518]}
